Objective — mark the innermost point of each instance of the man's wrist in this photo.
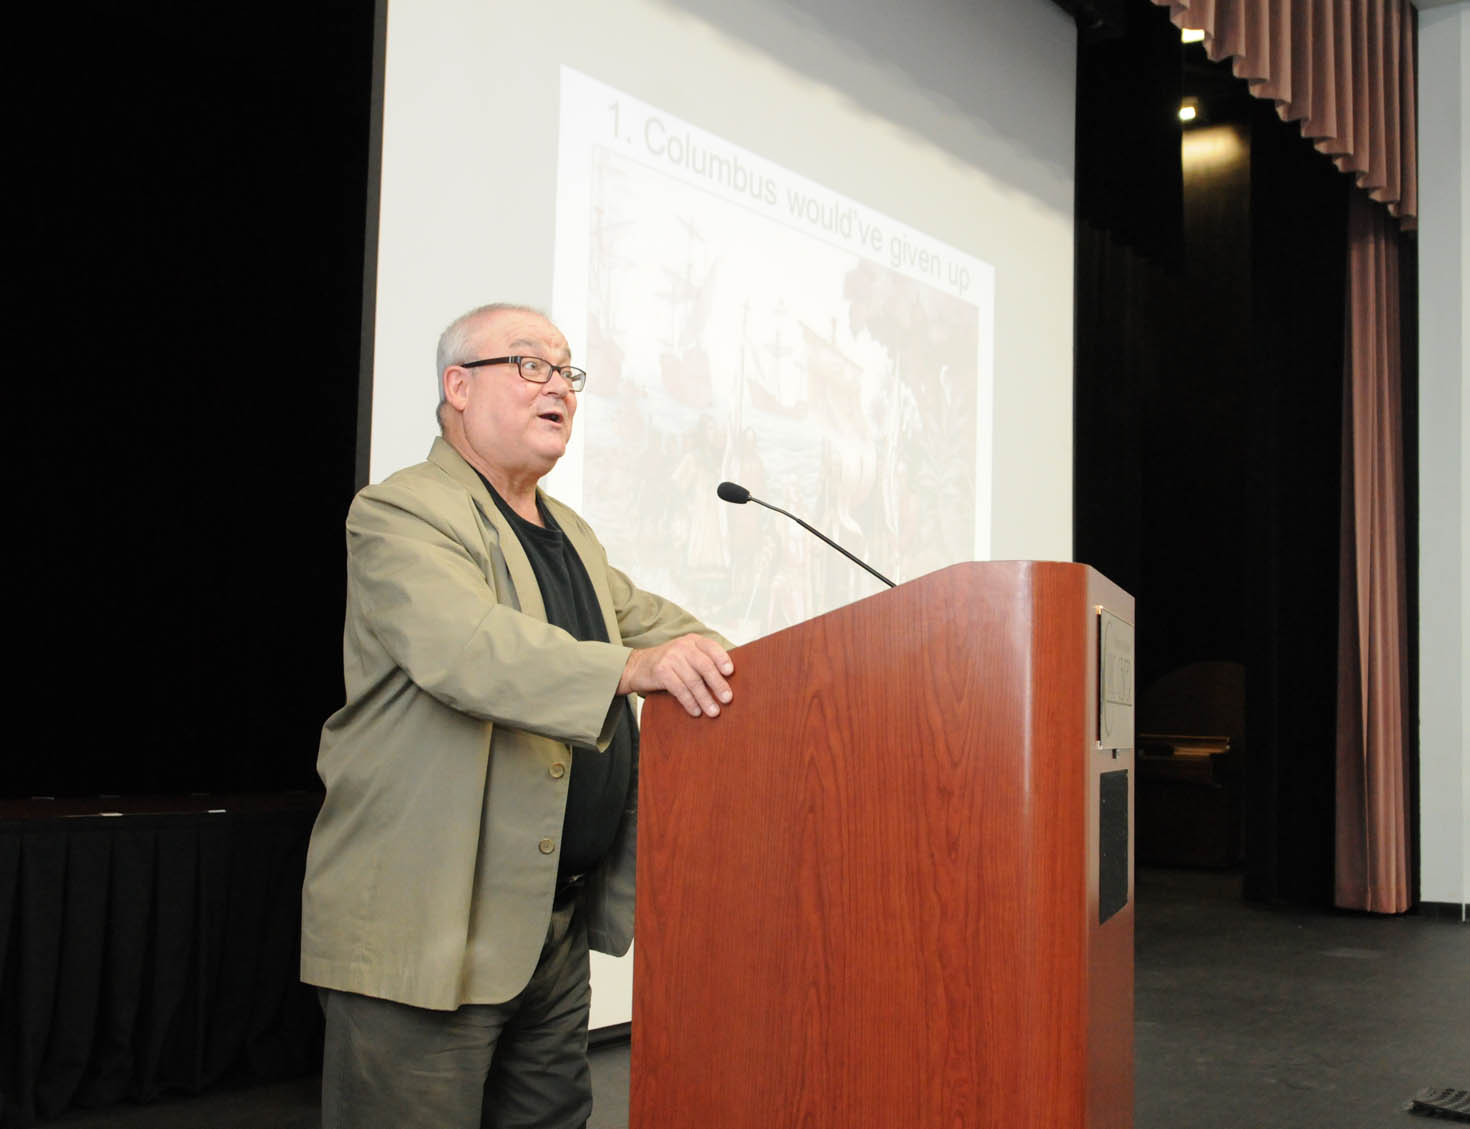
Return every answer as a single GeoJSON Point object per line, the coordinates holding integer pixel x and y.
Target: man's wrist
{"type": "Point", "coordinates": [625, 680]}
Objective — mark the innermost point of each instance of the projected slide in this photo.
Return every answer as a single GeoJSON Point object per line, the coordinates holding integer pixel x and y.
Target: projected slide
{"type": "Point", "coordinates": [740, 322]}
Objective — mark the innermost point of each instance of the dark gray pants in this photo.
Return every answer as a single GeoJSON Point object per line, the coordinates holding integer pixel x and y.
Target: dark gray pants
{"type": "Point", "coordinates": [517, 1065]}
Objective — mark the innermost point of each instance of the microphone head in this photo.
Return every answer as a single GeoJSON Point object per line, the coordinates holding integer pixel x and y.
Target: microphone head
{"type": "Point", "coordinates": [730, 492]}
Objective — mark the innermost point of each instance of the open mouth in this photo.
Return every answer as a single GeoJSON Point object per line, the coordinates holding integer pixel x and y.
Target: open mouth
{"type": "Point", "coordinates": [553, 417]}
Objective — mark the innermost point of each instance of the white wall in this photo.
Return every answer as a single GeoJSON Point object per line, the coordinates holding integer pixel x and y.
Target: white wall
{"type": "Point", "coordinates": [1444, 455]}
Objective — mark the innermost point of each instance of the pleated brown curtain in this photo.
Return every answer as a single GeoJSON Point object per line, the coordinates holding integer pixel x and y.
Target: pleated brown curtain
{"type": "Point", "coordinates": [1372, 870]}
{"type": "Point", "coordinates": [1344, 69]}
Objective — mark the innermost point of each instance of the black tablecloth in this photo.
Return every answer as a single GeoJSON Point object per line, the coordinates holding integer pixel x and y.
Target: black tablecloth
{"type": "Point", "coordinates": [150, 951]}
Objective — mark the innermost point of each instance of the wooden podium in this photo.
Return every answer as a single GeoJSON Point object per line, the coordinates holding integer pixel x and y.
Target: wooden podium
{"type": "Point", "coordinates": [890, 887]}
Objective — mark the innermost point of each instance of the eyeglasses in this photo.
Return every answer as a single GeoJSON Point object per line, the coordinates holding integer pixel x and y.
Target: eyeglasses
{"type": "Point", "coordinates": [536, 370]}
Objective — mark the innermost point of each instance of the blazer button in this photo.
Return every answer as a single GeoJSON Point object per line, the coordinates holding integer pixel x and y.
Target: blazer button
{"type": "Point", "coordinates": [546, 846]}
{"type": "Point", "coordinates": [558, 770]}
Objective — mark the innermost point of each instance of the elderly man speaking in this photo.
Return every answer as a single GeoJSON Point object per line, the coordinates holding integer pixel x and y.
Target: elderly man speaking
{"type": "Point", "coordinates": [478, 829]}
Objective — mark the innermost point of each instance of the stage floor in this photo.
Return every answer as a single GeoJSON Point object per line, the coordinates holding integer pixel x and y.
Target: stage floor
{"type": "Point", "coordinates": [1246, 1016]}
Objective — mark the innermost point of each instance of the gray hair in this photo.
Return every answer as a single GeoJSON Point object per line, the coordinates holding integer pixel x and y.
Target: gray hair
{"type": "Point", "coordinates": [454, 342]}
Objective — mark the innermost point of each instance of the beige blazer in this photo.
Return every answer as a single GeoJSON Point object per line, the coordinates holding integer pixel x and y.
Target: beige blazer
{"type": "Point", "coordinates": [432, 865]}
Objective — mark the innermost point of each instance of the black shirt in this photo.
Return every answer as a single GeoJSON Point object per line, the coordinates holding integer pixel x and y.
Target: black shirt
{"type": "Point", "coordinates": [598, 783]}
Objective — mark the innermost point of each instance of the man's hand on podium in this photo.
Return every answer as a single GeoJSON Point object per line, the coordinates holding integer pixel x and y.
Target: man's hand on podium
{"type": "Point", "coordinates": [691, 667]}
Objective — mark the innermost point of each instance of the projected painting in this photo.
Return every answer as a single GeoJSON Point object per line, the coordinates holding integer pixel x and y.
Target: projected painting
{"type": "Point", "coordinates": [739, 322]}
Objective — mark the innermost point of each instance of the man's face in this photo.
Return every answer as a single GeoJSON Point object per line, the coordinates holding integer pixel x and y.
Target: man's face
{"type": "Point", "coordinates": [512, 426]}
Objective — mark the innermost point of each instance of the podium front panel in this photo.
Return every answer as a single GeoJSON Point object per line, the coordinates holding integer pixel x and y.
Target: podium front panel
{"type": "Point", "coordinates": [869, 892]}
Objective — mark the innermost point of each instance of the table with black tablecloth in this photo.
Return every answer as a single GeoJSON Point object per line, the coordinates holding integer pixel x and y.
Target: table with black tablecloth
{"type": "Point", "coordinates": [150, 945]}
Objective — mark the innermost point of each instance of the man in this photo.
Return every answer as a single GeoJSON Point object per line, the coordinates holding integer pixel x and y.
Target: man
{"type": "Point", "coordinates": [478, 828]}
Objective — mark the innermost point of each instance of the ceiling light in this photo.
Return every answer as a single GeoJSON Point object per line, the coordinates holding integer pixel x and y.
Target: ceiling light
{"type": "Point", "coordinates": [1191, 35]}
{"type": "Point", "coordinates": [1189, 109]}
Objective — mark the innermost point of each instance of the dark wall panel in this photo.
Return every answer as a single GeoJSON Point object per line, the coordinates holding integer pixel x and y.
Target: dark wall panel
{"type": "Point", "coordinates": [193, 205]}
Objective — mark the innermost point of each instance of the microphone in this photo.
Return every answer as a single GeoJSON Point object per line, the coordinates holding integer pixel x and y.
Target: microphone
{"type": "Point", "coordinates": [739, 495]}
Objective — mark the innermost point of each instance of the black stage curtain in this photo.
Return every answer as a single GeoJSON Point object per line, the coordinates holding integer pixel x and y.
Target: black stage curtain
{"type": "Point", "coordinates": [1294, 389]}
{"type": "Point", "coordinates": [1129, 251]}
{"type": "Point", "coordinates": [151, 953]}
{"type": "Point", "coordinates": [1208, 409]}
